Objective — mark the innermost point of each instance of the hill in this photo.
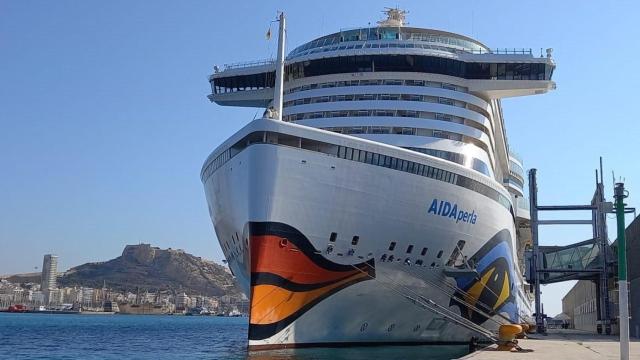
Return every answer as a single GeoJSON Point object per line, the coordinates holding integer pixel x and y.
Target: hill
{"type": "Point", "coordinates": [23, 278]}
{"type": "Point", "coordinates": [153, 269]}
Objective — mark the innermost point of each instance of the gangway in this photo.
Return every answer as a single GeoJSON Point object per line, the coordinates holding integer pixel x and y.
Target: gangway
{"type": "Point", "coordinates": [590, 259]}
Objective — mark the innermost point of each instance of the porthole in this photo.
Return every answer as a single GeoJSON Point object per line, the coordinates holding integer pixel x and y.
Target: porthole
{"type": "Point", "coordinates": [439, 254]}
{"type": "Point", "coordinates": [409, 249]}
{"type": "Point", "coordinates": [333, 237]}
{"type": "Point", "coordinates": [329, 249]}
{"type": "Point", "coordinates": [392, 245]}
{"type": "Point", "coordinates": [355, 240]}
{"type": "Point", "coordinates": [383, 257]}
{"type": "Point", "coordinates": [391, 258]}
{"type": "Point", "coordinates": [424, 251]}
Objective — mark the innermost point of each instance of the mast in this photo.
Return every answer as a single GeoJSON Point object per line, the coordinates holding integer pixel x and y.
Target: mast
{"type": "Point", "coordinates": [277, 96]}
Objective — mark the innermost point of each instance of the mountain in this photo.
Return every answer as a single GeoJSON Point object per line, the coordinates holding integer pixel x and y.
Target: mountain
{"type": "Point", "coordinates": [23, 278]}
{"type": "Point", "coordinates": [153, 269]}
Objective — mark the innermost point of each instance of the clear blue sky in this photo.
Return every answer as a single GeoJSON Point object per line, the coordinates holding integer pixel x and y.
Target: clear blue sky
{"type": "Point", "coordinates": [104, 121]}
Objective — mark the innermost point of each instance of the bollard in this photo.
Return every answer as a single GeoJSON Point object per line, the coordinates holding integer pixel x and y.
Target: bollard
{"type": "Point", "coordinates": [531, 329]}
{"type": "Point", "coordinates": [507, 336]}
{"type": "Point", "coordinates": [523, 333]}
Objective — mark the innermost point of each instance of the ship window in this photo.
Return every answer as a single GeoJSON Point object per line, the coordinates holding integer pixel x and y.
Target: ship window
{"type": "Point", "coordinates": [288, 140]}
{"type": "Point", "coordinates": [349, 154]}
{"type": "Point", "coordinates": [409, 249]}
{"type": "Point", "coordinates": [376, 159]}
{"type": "Point", "coordinates": [383, 257]}
{"type": "Point", "coordinates": [333, 237]}
{"type": "Point", "coordinates": [391, 258]}
{"type": "Point", "coordinates": [445, 101]}
{"type": "Point", "coordinates": [405, 165]}
{"type": "Point", "coordinates": [369, 158]}
{"type": "Point", "coordinates": [392, 245]}
{"type": "Point", "coordinates": [424, 251]}
{"type": "Point", "coordinates": [355, 239]}
{"type": "Point", "coordinates": [439, 254]}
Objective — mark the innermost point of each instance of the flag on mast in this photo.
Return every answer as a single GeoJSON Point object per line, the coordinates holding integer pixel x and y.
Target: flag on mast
{"type": "Point", "coordinates": [269, 34]}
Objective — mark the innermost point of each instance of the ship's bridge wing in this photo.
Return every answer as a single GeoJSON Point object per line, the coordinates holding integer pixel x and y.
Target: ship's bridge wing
{"type": "Point", "coordinates": [248, 84]}
{"type": "Point", "coordinates": [492, 75]}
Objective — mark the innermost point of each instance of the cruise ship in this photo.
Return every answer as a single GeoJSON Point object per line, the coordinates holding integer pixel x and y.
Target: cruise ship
{"type": "Point", "coordinates": [377, 201]}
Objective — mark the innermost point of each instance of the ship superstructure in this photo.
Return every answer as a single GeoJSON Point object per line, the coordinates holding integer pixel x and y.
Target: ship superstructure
{"type": "Point", "coordinates": [389, 185]}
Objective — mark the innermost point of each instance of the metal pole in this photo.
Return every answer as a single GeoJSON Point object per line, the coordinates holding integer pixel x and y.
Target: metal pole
{"type": "Point", "coordinates": [533, 208]}
{"type": "Point", "coordinates": [605, 261]}
{"type": "Point", "coordinates": [620, 194]}
{"type": "Point", "coordinates": [596, 223]}
{"type": "Point", "coordinates": [277, 96]}
{"type": "Point", "coordinates": [604, 248]}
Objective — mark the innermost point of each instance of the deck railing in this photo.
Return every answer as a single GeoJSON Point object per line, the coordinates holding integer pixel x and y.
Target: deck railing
{"type": "Point", "coordinates": [245, 64]}
{"type": "Point", "coordinates": [503, 51]}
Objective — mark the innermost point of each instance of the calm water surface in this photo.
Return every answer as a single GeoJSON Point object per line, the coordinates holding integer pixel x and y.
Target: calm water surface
{"type": "Point", "coordinates": [35, 336]}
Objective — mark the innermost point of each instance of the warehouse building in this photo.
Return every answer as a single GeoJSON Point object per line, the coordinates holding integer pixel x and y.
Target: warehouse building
{"type": "Point", "coordinates": [580, 303]}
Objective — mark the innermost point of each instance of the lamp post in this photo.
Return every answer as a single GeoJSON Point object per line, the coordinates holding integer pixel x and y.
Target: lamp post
{"type": "Point", "coordinates": [620, 193]}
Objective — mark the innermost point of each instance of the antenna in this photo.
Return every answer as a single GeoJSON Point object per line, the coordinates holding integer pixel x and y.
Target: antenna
{"type": "Point", "coordinates": [395, 17]}
{"type": "Point", "coordinates": [279, 82]}
{"type": "Point", "coordinates": [601, 173]}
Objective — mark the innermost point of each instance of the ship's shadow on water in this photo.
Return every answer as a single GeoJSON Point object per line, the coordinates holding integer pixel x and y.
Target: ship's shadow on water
{"type": "Point", "coordinates": [435, 352]}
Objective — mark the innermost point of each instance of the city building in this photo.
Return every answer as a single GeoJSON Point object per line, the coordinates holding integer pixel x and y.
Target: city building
{"type": "Point", "coordinates": [182, 301]}
{"type": "Point", "coordinates": [87, 297]}
{"type": "Point", "coordinates": [49, 273]}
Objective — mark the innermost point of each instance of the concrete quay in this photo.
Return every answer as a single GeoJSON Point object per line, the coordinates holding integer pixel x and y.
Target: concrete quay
{"type": "Point", "coordinates": [561, 344]}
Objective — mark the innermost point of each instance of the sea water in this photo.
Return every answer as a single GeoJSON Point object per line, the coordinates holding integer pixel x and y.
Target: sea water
{"type": "Point", "coordinates": [41, 336]}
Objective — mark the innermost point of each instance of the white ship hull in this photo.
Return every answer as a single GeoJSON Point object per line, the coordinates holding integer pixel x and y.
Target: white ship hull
{"type": "Point", "coordinates": [274, 208]}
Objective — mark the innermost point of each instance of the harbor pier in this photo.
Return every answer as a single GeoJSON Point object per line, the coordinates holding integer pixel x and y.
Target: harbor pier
{"type": "Point", "coordinates": [567, 344]}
